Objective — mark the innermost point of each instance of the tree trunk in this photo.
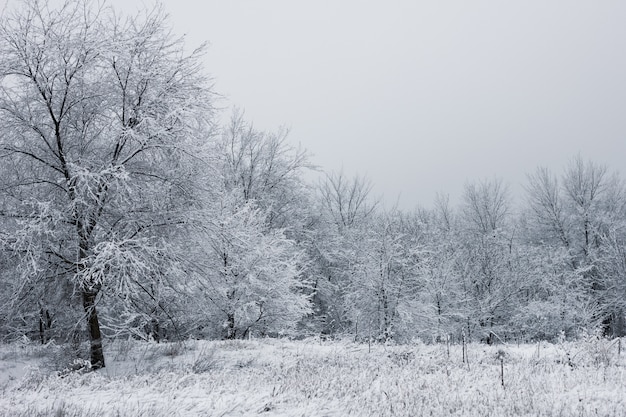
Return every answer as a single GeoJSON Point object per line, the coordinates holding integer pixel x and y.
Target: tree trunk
{"type": "Point", "coordinates": [45, 323]}
{"type": "Point", "coordinates": [231, 332]}
{"type": "Point", "coordinates": [93, 326]}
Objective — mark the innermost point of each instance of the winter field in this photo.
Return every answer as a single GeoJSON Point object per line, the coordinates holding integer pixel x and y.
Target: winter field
{"type": "Point", "coordinates": [318, 378]}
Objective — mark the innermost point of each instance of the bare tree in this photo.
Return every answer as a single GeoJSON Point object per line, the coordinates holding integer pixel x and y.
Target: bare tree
{"type": "Point", "coordinates": [347, 200]}
{"type": "Point", "coordinates": [546, 203]}
{"type": "Point", "coordinates": [264, 168]}
{"type": "Point", "coordinates": [486, 205]}
{"type": "Point", "coordinates": [584, 185]}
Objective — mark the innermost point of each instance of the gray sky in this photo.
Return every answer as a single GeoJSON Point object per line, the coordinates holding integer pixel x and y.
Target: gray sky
{"type": "Point", "coordinates": [422, 96]}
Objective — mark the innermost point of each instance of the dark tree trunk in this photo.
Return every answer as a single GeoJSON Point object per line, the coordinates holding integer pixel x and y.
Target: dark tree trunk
{"type": "Point", "coordinates": [42, 335]}
{"type": "Point", "coordinates": [156, 330]}
{"type": "Point", "coordinates": [93, 327]}
{"type": "Point", "coordinates": [45, 323]}
{"type": "Point", "coordinates": [231, 332]}
{"type": "Point", "coordinates": [90, 292]}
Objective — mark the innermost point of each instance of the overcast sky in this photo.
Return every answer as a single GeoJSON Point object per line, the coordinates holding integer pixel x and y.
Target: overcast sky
{"type": "Point", "coordinates": [422, 96]}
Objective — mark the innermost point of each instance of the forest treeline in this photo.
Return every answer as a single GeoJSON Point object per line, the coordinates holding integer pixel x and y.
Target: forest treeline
{"type": "Point", "coordinates": [126, 210]}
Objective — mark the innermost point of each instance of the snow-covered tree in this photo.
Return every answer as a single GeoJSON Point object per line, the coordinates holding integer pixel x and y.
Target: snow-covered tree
{"type": "Point", "coordinates": [265, 168]}
{"type": "Point", "coordinates": [582, 215]}
{"type": "Point", "coordinates": [101, 118]}
{"type": "Point", "coordinates": [251, 278]}
{"type": "Point", "coordinates": [385, 278]}
{"type": "Point", "coordinates": [487, 264]}
{"type": "Point", "coordinates": [342, 213]}
{"type": "Point", "coordinates": [442, 294]}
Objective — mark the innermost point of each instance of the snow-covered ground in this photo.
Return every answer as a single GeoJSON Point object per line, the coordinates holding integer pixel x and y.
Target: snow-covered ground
{"type": "Point", "coordinates": [317, 378]}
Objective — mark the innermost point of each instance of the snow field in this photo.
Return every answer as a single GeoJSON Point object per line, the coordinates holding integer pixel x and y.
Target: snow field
{"type": "Point", "coordinates": [313, 378]}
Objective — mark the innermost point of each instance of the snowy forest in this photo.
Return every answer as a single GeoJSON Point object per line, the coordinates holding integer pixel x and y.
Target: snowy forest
{"type": "Point", "coordinates": [128, 209]}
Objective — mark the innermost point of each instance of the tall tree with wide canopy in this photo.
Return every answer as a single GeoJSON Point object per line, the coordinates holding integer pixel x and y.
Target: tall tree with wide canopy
{"type": "Point", "coordinates": [101, 120]}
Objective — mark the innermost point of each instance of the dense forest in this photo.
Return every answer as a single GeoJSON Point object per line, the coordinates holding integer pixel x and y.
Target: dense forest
{"type": "Point", "coordinates": [128, 210]}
